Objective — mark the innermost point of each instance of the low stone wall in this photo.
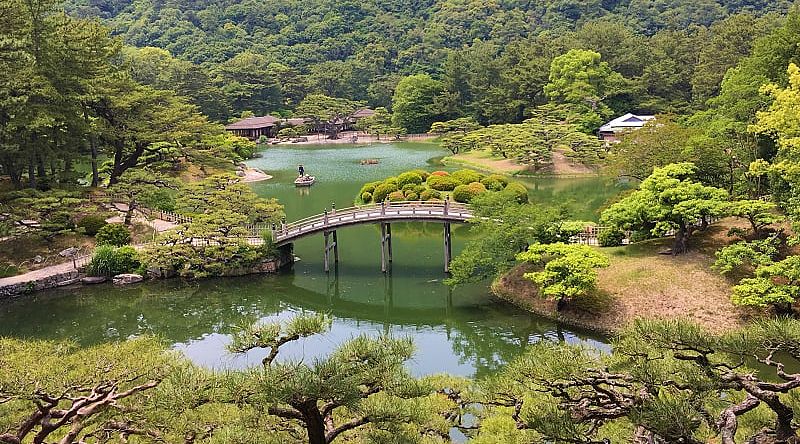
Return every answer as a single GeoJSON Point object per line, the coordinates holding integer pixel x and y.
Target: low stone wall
{"type": "Point", "coordinates": [43, 283]}
{"type": "Point", "coordinates": [7, 292]}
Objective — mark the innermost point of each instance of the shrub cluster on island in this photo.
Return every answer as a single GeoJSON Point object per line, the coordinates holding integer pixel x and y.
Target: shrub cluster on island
{"type": "Point", "coordinates": [461, 186]}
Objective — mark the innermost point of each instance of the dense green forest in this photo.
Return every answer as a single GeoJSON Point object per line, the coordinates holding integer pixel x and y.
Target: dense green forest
{"type": "Point", "coordinates": [490, 60]}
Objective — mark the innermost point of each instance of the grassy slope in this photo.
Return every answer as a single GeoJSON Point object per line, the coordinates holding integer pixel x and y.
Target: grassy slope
{"type": "Point", "coordinates": [643, 283]}
{"type": "Point", "coordinates": [484, 161]}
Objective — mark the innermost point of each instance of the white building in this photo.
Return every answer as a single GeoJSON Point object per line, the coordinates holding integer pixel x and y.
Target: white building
{"type": "Point", "coordinates": [612, 130]}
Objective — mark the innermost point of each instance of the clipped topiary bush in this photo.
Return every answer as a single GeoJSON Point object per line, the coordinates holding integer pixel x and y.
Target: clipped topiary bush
{"type": "Point", "coordinates": [396, 196]}
{"type": "Point", "coordinates": [442, 183]}
{"type": "Point", "coordinates": [382, 191]}
{"type": "Point", "coordinates": [408, 187]}
{"type": "Point", "coordinates": [430, 194]}
{"type": "Point", "coordinates": [494, 182]}
{"type": "Point", "coordinates": [366, 197]}
{"type": "Point", "coordinates": [466, 177]}
{"type": "Point", "coordinates": [439, 173]}
{"type": "Point", "coordinates": [611, 237]}
{"type": "Point", "coordinates": [465, 193]}
{"type": "Point", "coordinates": [108, 260]}
{"type": "Point", "coordinates": [411, 195]}
{"type": "Point", "coordinates": [517, 191]}
{"type": "Point", "coordinates": [422, 173]}
{"type": "Point", "coordinates": [92, 224]}
{"type": "Point", "coordinates": [409, 178]}
{"type": "Point", "coordinates": [115, 235]}
{"type": "Point", "coordinates": [369, 187]}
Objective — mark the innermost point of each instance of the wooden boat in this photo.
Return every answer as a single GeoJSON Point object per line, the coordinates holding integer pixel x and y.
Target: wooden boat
{"type": "Point", "coordinates": [304, 181]}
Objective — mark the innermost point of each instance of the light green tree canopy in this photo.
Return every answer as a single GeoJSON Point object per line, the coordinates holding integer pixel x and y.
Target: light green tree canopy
{"type": "Point", "coordinates": [670, 199]}
{"type": "Point", "coordinates": [413, 103]}
{"type": "Point", "coordinates": [568, 270]}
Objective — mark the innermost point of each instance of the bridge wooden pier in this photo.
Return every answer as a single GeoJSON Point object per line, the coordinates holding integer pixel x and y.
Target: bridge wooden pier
{"type": "Point", "coordinates": [385, 213]}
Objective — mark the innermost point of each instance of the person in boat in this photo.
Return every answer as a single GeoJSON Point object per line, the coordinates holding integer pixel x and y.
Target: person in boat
{"type": "Point", "coordinates": [301, 170]}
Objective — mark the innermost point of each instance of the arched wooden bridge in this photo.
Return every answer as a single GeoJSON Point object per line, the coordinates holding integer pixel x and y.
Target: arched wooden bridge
{"type": "Point", "coordinates": [445, 212]}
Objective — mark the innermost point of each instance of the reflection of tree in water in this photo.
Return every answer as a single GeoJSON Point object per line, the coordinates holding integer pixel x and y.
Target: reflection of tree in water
{"type": "Point", "coordinates": [582, 197]}
{"type": "Point", "coordinates": [176, 311]}
{"type": "Point", "coordinates": [485, 335]}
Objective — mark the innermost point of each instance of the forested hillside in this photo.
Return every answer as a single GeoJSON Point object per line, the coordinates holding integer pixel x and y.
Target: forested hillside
{"type": "Point", "coordinates": [491, 57]}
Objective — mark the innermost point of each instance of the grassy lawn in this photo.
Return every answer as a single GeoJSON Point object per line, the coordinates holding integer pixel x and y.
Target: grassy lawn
{"type": "Point", "coordinates": [641, 283]}
{"type": "Point", "coordinates": [484, 161]}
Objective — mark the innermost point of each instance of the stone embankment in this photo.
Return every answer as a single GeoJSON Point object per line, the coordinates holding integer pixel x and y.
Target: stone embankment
{"type": "Point", "coordinates": [66, 274]}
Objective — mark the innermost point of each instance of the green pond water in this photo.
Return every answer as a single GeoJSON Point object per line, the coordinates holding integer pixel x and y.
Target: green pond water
{"type": "Point", "coordinates": [464, 331]}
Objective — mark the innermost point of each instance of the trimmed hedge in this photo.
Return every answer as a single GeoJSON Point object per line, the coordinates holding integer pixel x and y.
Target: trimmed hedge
{"type": "Point", "coordinates": [409, 178]}
{"type": "Point", "coordinates": [383, 190]}
{"type": "Point", "coordinates": [494, 182]}
{"type": "Point", "coordinates": [430, 194]}
{"type": "Point", "coordinates": [396, 196]}
{"type": "Point", "coordinates": [442, 183]}
{"type": "Point", "coordinates": [92, 224]}
{"type": "Point", "coordinates": [466, 177]}
{"type": "Point", "coordinates": [465, 193]}
{"type": "Point", "coordinates": [421, 185]}
{"type": "Point", "coordinates": [116, 235]}
{"type": "Point", "coordinates": [518, 191]}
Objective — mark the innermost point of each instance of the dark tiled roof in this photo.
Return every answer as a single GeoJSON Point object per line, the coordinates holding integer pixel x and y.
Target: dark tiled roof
{"type": "Point", "coordinates": [365, 112]}
{"type": "Point", "coordinates": [254, 123]}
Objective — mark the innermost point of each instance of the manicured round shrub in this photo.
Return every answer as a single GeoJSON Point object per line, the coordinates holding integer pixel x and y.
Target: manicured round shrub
{"type": "Point", "coordinates": [494, 182]}
{"type": "Point", "coordinates": [366, 197]}
{"type": "Point", "coordinates": [422, 173]}
{"type": "Point", "coordinates": [409, 178]}
{"type": "Point", "coordinates": [392, 180]}
{"type": "Point", "coordinates": [383, 190]}
{"type": "Point", "coordinates": [465, 193]}
{"type": "Point", "coordinates": [439, 173]}
{"type": "Point", "coordinates": [369, 187]}
{"type": "Point", "coordinates": [611, 237]}
{"type": "Point", "coordinates": [92, 224]}
{"type": "Point", "coordinates": [115, 235]}
{"type": "Point", "coordinates": [517, 191]}
{"type": "Point", "coordinates": [466, 177]}
{"type": "Point", "coordinates": [407, 188]}
{"type": "Point", "coordinates": [411, 195]}
{"type": "Point", "coordinates": [396, 196]}
{"type": "Point", "coordinates": [420, 188]}
{"type": "Point", "coordinates": [162, 199]}
{"type": "Point", "coordinates": [442, 183]}
{"type": "Point", "coordinates": [110, 261]}
{"type": "Point", "coordinates": [429, 194]}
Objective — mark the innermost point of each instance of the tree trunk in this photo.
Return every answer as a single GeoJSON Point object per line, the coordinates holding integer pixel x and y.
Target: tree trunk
{"type": "Point", "coordinates": [95, 174]}
{"type": "Point", "coordinates": [129, 213]}
{"type": "Point", "coordinates": [680, 245]}
{"type": "Point", "coordinates": [31, 172]}
{"type": "Point", "coordinates": [315, 424]}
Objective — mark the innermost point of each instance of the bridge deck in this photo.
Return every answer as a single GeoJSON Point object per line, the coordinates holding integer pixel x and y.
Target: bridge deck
{"type": "Point", "coordinates": [374, 213]}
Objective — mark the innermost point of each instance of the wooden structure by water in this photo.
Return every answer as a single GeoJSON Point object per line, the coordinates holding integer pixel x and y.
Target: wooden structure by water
{"type": "Point", "coordinates": [384, 213]}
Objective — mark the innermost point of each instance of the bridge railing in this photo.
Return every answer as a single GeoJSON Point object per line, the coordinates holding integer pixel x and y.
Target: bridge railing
{"type": "Point", "coordinates": [373, 212]}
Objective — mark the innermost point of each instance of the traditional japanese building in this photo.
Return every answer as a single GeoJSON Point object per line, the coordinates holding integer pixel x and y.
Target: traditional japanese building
{"type": "Point", "coordinates": [612, 130]}
{"type": "Point", "coordinates": [255, 127]}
